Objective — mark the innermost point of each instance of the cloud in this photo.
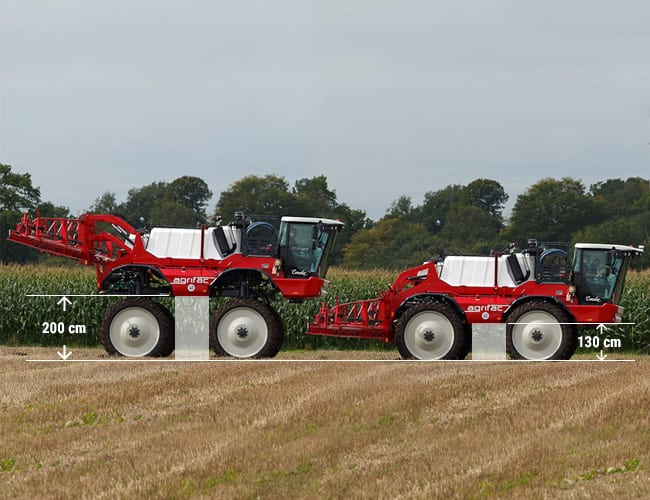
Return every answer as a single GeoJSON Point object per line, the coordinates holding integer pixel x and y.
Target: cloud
{"type": "Point", "coordinates": [384, 98]}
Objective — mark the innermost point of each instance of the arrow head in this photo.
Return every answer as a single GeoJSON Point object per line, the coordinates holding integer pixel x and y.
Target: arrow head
{"type": "Point", "coordinates": [601, 328]}
{"type": "Point", "coordinates": [65, 301]}
{"type": "Point", "coordinates": [65, 355]}
{"type": "Point", "coordinates": [601, 356]}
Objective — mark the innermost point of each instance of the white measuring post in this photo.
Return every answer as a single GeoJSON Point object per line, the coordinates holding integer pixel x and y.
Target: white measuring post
{"type": "Point", "coordinates": [192, 321]}
{"type": "Point", "coordinates": [489, 342]}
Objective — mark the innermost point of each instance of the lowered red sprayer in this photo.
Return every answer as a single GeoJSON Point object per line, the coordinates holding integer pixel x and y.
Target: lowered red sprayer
{"type": "Point", "coordinates": [539, 293]}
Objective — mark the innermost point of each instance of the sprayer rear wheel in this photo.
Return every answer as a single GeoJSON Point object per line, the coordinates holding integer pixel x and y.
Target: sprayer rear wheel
{"type": "Point", "coordinates": [246, 328]}
{"type": "Point", "coordinates": [431, 331]}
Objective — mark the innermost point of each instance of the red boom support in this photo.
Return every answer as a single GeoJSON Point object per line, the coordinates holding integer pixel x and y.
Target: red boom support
{"type": "Point", "coordinates": [79, 239]}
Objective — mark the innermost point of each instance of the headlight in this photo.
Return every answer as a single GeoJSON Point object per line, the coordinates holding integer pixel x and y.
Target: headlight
{"type": "Point", "coordinates": [324, 287]}
{"type": "Point", "coordinates": [618, 317]}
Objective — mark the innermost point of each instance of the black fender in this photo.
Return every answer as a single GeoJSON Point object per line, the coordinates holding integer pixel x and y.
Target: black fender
{"type": "Point", "coordinates": [429, 297]}
{"type": "Point", "coordinates": [536, 298]}
{"type": "Point", "coordinates": [138, 278]}
{"type": "Point", "coordinates": [243, 283]}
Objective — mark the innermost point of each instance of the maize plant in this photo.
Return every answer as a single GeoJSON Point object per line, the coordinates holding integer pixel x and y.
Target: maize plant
{"type": "Point", "coordinates": [22, 318]}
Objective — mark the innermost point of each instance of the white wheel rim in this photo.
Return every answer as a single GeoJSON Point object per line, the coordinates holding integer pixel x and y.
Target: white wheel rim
{"type": "Point", "coordinates": [429, 335]}
{"type": "Point", "coordinates": [242, 332]}
{"type": "Point", "coordinates": [537, 335]}
{"type": "Point", "coordinates": [134, 331]}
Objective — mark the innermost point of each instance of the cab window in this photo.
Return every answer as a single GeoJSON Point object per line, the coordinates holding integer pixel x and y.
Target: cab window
{"type": "Point", "coordinates": [302, 249]}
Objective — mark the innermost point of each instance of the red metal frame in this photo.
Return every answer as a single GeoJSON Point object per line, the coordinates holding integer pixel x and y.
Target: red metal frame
{"type": "Point", "coordinates": [84, 240]}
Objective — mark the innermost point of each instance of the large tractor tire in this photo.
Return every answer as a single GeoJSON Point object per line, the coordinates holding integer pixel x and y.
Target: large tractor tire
{"type": "Point", "coordinates": [540, 331]}
{"type": "Point", "coordinates": [246, 328]}
{"type": "Point", "coordinates": [138, 327]}
{"type": "Point", "coordinates": [431, 331]}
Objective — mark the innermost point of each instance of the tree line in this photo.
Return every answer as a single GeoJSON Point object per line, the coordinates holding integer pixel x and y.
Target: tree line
{"type": "Point", "coordinates": [470, 220]}
{"type": "Point", "coordinates": [457, 219]}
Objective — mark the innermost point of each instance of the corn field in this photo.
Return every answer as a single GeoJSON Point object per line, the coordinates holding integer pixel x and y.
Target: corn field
{"type": "Point", "coordinates": [33, 320]}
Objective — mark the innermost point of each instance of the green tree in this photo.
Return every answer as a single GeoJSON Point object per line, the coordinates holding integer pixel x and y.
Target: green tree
{"type": "Point", "coordinates": [469, 230]}
{"type": "Point", "coordinates": [391, 243]}
{"type": "Point", "coordinates": [313, 198]}
{"type": "Point", "coordinates": [254, 195]}
{"type": "Point", "coordinates": [401, 208]}
{"type": "Point", "coordinates": [16, 190]}
{"type": "Point", "coordinates": [642, 205]}
{"type": "Point", "coordinates": [486, 194]}
{"type": "Point", "coordinates": [104, 204]}
{"type": "Point", "coordinates": [17, 194]}
{"type": "Point", "coordinates": [615, 197]}
{"type": "Point", "coordinates": [456, 219]}
{"type": "Point", "coordinates": [624, 215]}
{"type": "Point", "coordinates": [433, 211]}
{"type": "Point", "coordinates": [551, 210]}
{"type": "Point", "coordinates": [167, 212]}
{"type": "Point", "coordinates": [160, 203]}
{"type": "Point", "coordinates": [49, 209]}
{"type": "Point", "coordinates": [137, 208]}
{"type": "Point", "coordinates": [193, 193]}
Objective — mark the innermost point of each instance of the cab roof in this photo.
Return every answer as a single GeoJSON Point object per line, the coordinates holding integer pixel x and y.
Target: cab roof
{"type": "Point", "coordinates": [312, 220]}
{"type": "Point", "coordinates": [607, 246]}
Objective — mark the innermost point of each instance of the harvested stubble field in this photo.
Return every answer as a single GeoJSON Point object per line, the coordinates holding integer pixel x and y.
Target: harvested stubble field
{"type": "Point", "coordinates": [306, 425]}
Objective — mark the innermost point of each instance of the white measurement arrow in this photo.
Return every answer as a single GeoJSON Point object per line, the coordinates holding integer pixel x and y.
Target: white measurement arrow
{"type": "Point", "coordinates": [601, 328]}
{"type": "Point", "coordinates": [601, 356]}
{"type": "Point", "coordinates": [65, 301]}
{"type": "Point", "coordinates": [66, 354]}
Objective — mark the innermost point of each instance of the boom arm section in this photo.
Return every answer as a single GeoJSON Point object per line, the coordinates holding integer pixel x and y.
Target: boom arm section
{"type": "Point", "coordinates": [81, 239]}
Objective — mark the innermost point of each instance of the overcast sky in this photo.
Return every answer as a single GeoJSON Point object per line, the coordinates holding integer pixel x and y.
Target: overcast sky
{"type": "Point", "coordinates": [385, 98]}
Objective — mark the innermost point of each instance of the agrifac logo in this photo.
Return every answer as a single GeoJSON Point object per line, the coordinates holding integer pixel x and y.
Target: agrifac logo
{"type": "Point", "coordinates": [486, 309]}
{"type": "Point", "coordinates": [193, 280]}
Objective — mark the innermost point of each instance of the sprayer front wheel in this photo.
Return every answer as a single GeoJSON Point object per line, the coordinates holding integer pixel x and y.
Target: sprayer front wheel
{"type": "Point", "coordinates": [540, 331]}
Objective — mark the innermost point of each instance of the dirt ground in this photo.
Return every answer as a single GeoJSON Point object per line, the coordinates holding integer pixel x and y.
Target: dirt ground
{"type": "Point", "coordinates": [324, 424]}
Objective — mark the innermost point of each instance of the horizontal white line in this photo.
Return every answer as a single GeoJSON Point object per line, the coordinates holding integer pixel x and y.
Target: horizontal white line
{"type": "Point", "coordinates": [91, 295]}
{"type": "Point", "coordinates": [556, 323]}
{"type": "Point", "coordinates": [175, 361]}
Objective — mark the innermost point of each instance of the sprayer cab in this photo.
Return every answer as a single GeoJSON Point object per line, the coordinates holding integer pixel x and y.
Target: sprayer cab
{"type": "Point", "coordinates": [599, 271]}
{"type": "Point", "coordinates": [305, 244]}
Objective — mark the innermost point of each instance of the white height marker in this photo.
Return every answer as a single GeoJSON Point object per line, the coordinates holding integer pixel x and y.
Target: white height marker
{"type": "Point", "coordinates": [192, 328]}
{"type": "Point", "coordinates": [489, 342]}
